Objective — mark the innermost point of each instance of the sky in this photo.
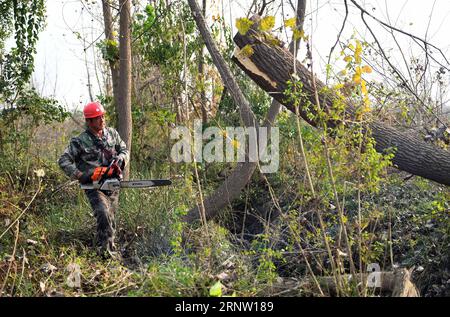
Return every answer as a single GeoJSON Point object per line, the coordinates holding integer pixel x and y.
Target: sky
{"type": "Point", "coordinates": [60, 62]}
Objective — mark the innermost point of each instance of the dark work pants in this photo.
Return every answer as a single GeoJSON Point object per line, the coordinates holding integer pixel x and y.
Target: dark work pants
{"type": "Point", "coordinates": [104, 205]}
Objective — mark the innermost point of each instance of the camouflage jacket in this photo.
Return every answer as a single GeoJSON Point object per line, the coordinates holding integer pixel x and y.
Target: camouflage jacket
{"type": "Point", "coordinates": [85, 153]}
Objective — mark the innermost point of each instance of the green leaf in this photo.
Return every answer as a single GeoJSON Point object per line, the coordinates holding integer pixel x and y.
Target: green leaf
{"type": "Point", "coordinates": [216, 290]}
{"type": "Point", "coordinates": [243, 25]}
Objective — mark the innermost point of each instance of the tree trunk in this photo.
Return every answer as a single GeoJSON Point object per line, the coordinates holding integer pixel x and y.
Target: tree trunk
{"type": "Point", "coordinates": [113, 66]}
{"type": "Point", "coordinates": [242, 173]}
{"type": "Point", "coordinates": [240, 176]}
{"type": "Point", "coordinates": [124, 87]}
{"type": "Point", "coordinates": [201, 64]}
{"type": "Point", "coordinates": [271, 67]}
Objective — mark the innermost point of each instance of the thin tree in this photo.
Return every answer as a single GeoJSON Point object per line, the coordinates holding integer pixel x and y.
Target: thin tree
{"type": "Point", "coordinates": [113, 64]}
{"type": "Point", "coordinates": [201, 75]}
{"type": "Point", "coordinates": [124, 84]}
{"type": "Point", "coordinates": [231, 188]}
{"type": "Point", "coordinates": [236, 181]}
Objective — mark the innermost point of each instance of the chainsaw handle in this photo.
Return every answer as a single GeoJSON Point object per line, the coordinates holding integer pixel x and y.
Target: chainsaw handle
{"type": "Point", "coordinates": [107, 172]}
{"type": "Point", "coordinates": [102, 173]}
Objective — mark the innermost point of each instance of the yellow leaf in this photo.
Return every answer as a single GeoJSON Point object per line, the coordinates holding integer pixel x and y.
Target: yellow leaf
{"type": "Point", "coordinates": [342, 72]}
{"type": "Point", "coordinates": [243, 25]}
{"type": "Point", "coordinates": [366, 107]}
{"type": "Point", "coordinates": [358, 47]}
{"type": "Point", "coordinates": [299, 34]}
{"type": "Point", "coordinates": [363, 87]}
{"type": "Point", "coordinates": [348, 58]}
{"type": "Point", "coordinates": [267, 23]}
{"type": "Point", "coordinates": [358, 52]}
{"type": "Point", "coordinates": [358, 116]}
{"type": "Point", "coordinates": [366, 96]}
{"type": "Point", "coordinates": [235, 144]}
{"type": "Point", "coordinates": [356, 79]}
{"type": "Point", "coordinates": [272, 40]}
{"type": "Point", "coordinates": [367, 69]}
{"type": "Point", "coordinates": [247, 51]}
{"type": "Point", "coordinates": [290, 23]}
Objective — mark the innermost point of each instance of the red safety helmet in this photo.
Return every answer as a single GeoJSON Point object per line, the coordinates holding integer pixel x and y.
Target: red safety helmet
{"type": "Point", "coordinates": [93, 109]}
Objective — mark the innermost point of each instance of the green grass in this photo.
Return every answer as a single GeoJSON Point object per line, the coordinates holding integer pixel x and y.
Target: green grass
{"type": "Point", "coordinates": [165, 257]}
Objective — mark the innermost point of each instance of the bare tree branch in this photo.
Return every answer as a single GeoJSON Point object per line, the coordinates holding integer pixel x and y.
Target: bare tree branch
{"type": "Point", "coordinates": [395, 70]}
{"type": "Point", "coordinates": [416, 38]}
{"type": "Point", "coordinates": [340, 32]}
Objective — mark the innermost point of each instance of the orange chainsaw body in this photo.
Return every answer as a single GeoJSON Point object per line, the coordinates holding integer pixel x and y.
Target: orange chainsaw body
{"type": "Point", "coordinates": [100, 171]}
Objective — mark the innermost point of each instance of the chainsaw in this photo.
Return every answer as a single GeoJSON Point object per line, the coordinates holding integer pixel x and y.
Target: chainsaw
{"type": "Point", "coordinates": [110, 178]}
{"type": "Point", "coordinates": [115, 183]}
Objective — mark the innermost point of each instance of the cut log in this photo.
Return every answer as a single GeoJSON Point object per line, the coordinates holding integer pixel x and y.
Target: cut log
{"type": "Point", "coordinates": [271, 66]}
{"type": "Point", "coordinates": [395, 283]}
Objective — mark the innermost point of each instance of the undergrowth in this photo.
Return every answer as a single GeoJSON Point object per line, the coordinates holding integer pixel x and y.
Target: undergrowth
{"type": "Point", "coordinates": [265, 240]}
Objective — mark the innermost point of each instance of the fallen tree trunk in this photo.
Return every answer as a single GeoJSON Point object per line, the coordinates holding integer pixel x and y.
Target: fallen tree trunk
{"type": "Point", "coordinates": [272, 66]}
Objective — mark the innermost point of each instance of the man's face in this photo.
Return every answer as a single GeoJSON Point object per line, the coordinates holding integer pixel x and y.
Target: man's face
{"type": "Point", "coordinates": [97, 124]}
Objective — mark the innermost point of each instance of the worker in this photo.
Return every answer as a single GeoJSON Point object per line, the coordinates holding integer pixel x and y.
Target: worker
{"type": "Point", "coordinates": [98, 146]}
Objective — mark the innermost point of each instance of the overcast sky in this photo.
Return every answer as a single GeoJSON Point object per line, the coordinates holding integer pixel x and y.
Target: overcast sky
{"type": "Point", "coordinates": [60, 69]}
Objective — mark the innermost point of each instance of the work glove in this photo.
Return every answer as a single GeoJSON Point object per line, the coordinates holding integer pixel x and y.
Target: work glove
{"type": "Point", "coordinates": [86, 178]}
{"type": "Point", "coordinates": [117, 171]}
{"type": "Point", "coordinates": [121, 163]}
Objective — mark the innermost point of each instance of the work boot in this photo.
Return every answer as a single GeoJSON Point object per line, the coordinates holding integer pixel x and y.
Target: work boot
{"type": "Point", "coordinates": [107, 250]}
{"type": "Point", "coordinates": [115, 255]}
{"type": "Point", "coordinates": [106, 254]}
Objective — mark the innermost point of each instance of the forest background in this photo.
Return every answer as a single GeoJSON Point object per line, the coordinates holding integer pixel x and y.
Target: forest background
{"type": "Point", "coordinates": [335, 207]}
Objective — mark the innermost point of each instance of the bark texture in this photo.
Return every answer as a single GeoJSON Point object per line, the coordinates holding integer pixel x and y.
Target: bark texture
{"type": "Point", "coordinates": [113, 66]}
{"type": "Point", "coordinates": [124, 88]}
{"type": "Point", "coordinates": [272, 66]}
{"type": "Point", "coordinates": [201, 74]}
